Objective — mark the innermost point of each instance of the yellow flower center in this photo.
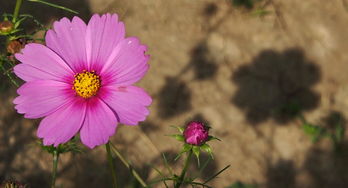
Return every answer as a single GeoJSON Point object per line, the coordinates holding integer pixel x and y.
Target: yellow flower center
{"type": "Point", "coordinates": [86, 84]}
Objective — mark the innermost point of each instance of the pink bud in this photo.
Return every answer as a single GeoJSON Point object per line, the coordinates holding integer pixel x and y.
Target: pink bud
{"type": "Point", "coordinates": [196, 133]}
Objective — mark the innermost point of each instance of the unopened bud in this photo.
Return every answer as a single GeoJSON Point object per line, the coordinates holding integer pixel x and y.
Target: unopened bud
{"type": "Point", "coordinates": [6, 26]}
{"type": "Point", "coordinates": [14, 46]}
{"type": "Point", "coordinates": [12, 184]}
{"type": "Point", "coordinates": [196, 133]}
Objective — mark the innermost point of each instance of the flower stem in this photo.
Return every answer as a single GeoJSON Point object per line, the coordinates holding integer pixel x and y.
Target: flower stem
{"type": "Point", "coordinates": [183, 172]}
{"type": "Point", "coordinates": [111, 164]}
{"type": "Point", "coordinates": [55, 166]}
{"type": "Point", "coordinates": [8, 74]}
{"type": "Point", "coordinates": [124, 161]}
{"type": "Point", "coordinates": [16, 10]}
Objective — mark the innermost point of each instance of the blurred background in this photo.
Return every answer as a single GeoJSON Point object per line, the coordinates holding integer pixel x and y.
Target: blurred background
{"type": "Point", "coordinates": [240, 66]}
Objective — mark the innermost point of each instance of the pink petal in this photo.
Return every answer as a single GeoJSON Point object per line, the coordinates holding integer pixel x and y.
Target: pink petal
{"type": "Point", "coordinates": [42, 97]}
{"type": "Point", "coordinates": [99, 125]}
{"type": "Point", "coordinates": [129, 103]}
{"type": "Point", "coordinates": [102, 36]}
{"type": "Point", "coordinates": [127, 64]}
{"type": "Point", "coordinates": [68, 40]}
{"type": "Point", "coordinates": [62, 125]}
{"type": "Point", "coordinates": [41, 63]}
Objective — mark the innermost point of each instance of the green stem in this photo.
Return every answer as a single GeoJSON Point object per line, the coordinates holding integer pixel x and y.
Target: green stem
{"type": "Point", "coordinates": [215, 175]}
{"type": "Point", "coordinates": [111, 164]}
{"type": "Point", "coordinates": [54, 170]}
{"type": "Point", "coordinates": [16, 10]}
{"type": "Point", "coordinates": [124, 161]}
{"type": "Point", "coordinates": [183, 172]}
{"type": "Point", "coordinates": [8, 74]}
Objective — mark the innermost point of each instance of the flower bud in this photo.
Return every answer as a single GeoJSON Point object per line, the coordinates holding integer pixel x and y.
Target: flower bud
{"type": "Point", "coordinates": [196, 133]}
{"type": "Point", "coordinates": [14, 46]}
{"type": "Point", "coordinates": [12, 184]}
{"type": "Point", "coordinates": [6, 26]}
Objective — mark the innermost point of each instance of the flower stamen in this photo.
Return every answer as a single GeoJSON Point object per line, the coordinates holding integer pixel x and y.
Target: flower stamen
{"type": "Point", "coordinates": [86, 84]}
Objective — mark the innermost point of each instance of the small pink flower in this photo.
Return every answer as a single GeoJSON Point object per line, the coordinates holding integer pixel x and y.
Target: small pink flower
{"type": "Point", "coordinates": [82, 81]}
{"type": "Point", "coordinates": [196, 133]}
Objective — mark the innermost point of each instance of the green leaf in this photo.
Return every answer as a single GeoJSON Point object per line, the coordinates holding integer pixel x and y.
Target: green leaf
{"type": "Point", "coordinates": [190, 181]}
{"type": "Point", "coordinates": [213, 138]}
{"type": "Point", "coordinates": [166, 164]}
{"type": "Point", "coordinates": [207, 148]}
{"type": "Point", "coordinates": [196, 150]}
{"type": "Point", "coordinates": [4, 61]}
{"type": "Point", "coordinates": [54, 5]}
{"type": "Point", "coordinates": [185, 148]}
{"type": "Point", "coordinates": [314, 131]}
{"type": "Point", "coordinates": [178, 156]}
{"type": "Point", "coordinates": [15, 31]}
{"type": "Point", "coordinates": [178, 137]}
{"type": "Point", "coordinates": [163, 179]}
{"type": "Point", "coordinates": [180, 129]}
{"type": "Point", "coordinates": [41, 26]}
{"type": "Point", "coordinates": [215, 175]}
{"type": "Point", "coordinates": [311, 129]}
{"type": "Point", "coordinates": [71, 146]}
{"type": "Point", "coordinates": [20, 36]}
{"type": "Point", "coordinates": [18, 22]}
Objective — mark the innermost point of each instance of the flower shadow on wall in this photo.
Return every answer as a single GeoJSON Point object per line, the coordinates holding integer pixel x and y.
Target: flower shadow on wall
{"type": "Point", "coordinates": [276, 85]}
{"type": "Point", "coordinates": [324, 164]}
{"type": "Point", "coordinates": [203, 65]}
{"type": "Point", "coordinates": [327, 166]}
{"type": "Point", "coordinates": [281, 174]}
{"type": "Point", "coordinates": [175, 96]}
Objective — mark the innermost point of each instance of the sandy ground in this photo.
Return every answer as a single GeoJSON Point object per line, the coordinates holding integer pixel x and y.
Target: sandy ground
{"type": "Point", "coordinates": [220, 64]}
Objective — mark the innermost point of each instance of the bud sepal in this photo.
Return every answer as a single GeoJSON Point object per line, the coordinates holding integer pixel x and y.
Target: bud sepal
{"type": "Point", "coordinates": [71, 146]}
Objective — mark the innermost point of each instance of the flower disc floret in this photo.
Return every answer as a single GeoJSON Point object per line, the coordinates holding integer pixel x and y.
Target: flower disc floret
{"type": "Point", "coordinates": [86, 84]}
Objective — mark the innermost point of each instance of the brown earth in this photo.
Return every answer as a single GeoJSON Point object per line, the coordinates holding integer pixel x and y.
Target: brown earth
{"type": "Point", "coordinates": [222, 65]}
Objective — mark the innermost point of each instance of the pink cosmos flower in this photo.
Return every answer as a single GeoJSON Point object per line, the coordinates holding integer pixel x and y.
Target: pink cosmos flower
{"type": "Point", "coordinates": [81, 81]}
